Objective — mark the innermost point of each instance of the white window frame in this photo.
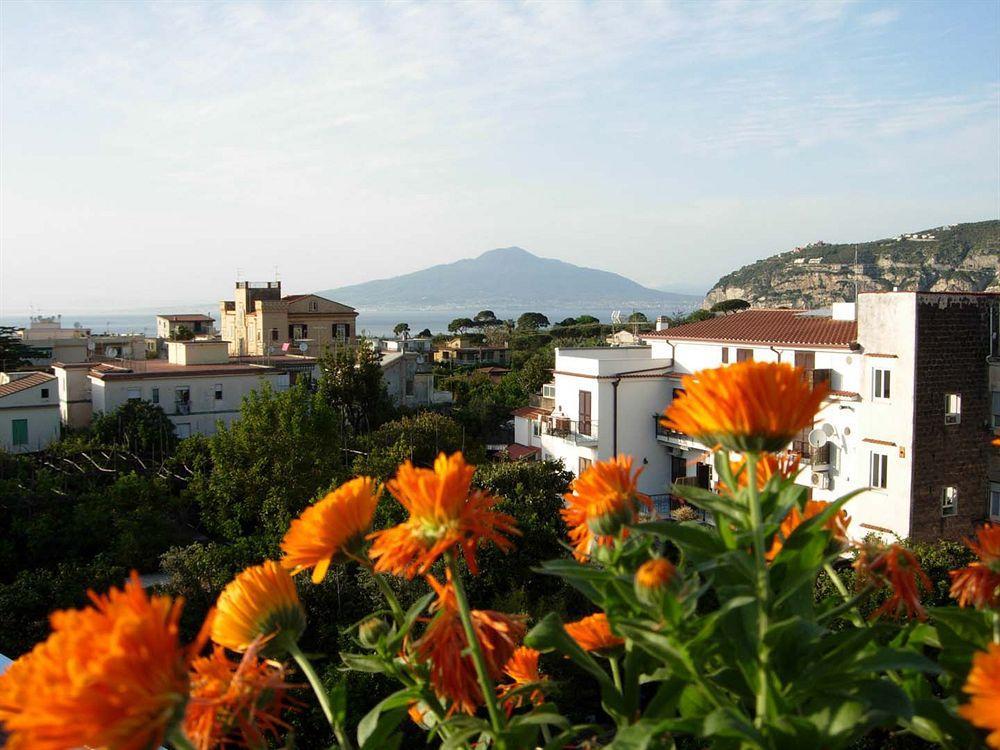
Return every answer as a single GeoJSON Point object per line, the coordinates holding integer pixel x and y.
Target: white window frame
{"type": "Point", "coordinates": [155, 397]}
{"type": "Point", "coordinates": [952, 408]}
{"type": "Point", "coordinates": [217, 391]}
{"type": "Point", "coordinates": [949, 501]}
{"type": "Point", "coordinates": [133, 393]}
{"type": "Point", "coordinates": [536, 428]}
{"type": "Point", "coordinates": [878, 470]}
{"type": "Point", "coordinates": [881, 384]}
{"type": "Point", "coordinates": [549, 390]}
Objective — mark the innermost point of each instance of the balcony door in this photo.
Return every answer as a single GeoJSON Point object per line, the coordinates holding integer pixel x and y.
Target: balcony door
{"type": "Point", "coordinates": [583, 423]}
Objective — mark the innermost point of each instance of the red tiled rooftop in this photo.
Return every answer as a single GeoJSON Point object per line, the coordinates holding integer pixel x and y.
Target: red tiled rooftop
{"type": "Point", "coordinates": [766, 327]}
{"type": "Point", "coordinates": [517, 451]}
{"type": "Point", "coordinates": [530, 412]}
{"type": "Point", "coordinates": [23, 384]}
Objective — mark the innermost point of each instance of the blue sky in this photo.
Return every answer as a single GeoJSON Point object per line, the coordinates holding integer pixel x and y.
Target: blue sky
{"type": "Point", "coordinates": [150, 150]}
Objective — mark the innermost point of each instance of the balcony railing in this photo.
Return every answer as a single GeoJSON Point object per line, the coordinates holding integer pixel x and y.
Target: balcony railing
{"type": "Point", "coordinates": [816, 376]}
{"type": "Point", "coordinates": [541, 402]}
{"type": "Point", "coordinates": [571, 430]}
{"type": "Point", "coordinates": [665, 434]}
{"type": "Point", "coordinates": [669, 507]}
{"type": "Point", "coordinates": [182, 407]}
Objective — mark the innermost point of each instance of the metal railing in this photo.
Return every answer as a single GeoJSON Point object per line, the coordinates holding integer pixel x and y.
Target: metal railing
{"type": "Point", "coordinates": [670, 507]}
{"type": "Point", "coordinates": [541, 402]}
{"type": "Point", "coordinates": [571, 430]}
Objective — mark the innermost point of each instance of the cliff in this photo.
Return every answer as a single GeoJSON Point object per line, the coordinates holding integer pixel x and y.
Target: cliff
{"type": "Point", "coordinates": [959, 257]}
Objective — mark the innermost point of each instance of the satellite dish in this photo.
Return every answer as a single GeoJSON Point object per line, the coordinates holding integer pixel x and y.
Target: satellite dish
{"type": "Point", "coordinates": [818, 438]}
{"type": "Point", "coordinates": [829, 429]}
{"type": "Point", "coordinates": [303, 346]}
{"type": "Point", "coordinates": [112, 351]}
{"type": "Point", "coordinates": [90, 345]}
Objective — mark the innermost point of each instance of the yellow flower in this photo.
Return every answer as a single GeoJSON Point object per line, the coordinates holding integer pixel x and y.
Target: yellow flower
{"type": "Point", "coordinates": [445, 513]}
{"type": "Point", "coordinates": [746, 407]}
{"type": "Point", "coordinates": [112, 675]}
{"type": "Point", "coordinates": [261, 602]}
{"type": "Point", "coordinates": [331, 530]}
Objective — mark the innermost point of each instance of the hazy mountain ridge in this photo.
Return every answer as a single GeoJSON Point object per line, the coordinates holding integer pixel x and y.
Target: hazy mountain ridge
{"type": "Point", "coordinates": [507, 278]}
{"type": "Point", "coordinates": [959, 258]}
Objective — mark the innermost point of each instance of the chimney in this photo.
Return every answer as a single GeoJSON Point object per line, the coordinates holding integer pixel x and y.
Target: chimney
{"type": "Point", "coordinates": [662, 323]}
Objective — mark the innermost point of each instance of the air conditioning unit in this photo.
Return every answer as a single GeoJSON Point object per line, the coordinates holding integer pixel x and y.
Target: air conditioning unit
{"type": "Point", "coordinates": [820, 480]}
{"type": "Point", "coordinates": [952, 418]}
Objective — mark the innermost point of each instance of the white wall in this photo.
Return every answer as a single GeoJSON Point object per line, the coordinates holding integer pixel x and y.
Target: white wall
{"type": "Point", "coordinates": [42, 415]}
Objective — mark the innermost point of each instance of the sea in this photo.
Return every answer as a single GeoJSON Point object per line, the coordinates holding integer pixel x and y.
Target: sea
{"type": "Point", "coordinates": [372, 322]}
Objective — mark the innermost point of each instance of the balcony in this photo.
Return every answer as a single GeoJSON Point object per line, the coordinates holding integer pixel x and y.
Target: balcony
{"type": "Point", "coordinates": [182, 407]}
{"type": "Point", "coordinates": [673, 437]}
{"type": "Point", "coordinates": [666, 504]}
{"type": "Point", "coordinates": [542, 402]}
{"type": "Point", "coordinates": [824, 375]}
{"type": "Point", "coordinates": [571, 430]}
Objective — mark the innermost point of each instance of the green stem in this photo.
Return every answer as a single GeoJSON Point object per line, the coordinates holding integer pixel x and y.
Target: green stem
{"type": "Point", "coordinates": [616, 675]}
{"type": "Point", "coordinates": [763, 591]}
{"type": "Point", "coordinates": [321, 694]}
{"type": "Point", "coordinates": [849, 601]}
{"type": "Point", "coordinates": [996, 627]}
{"type": "Point", "coordinates": [390, 596]}
{"type": "Point", "coordinates": [179, 740]}
{"type": "Point", "coordinates": [485, 683]}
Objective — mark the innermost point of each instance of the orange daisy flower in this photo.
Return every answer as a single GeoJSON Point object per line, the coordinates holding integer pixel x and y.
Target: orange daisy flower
{"type": "Point", "coordinates": [602, 499]}
{"type": "Point", "coordinates": [784, 465]}
{"type": "Point", "coordinates": [652, 579]}
{"type": "Point", "coordinates": [332, 530]}
{"type": "Point", "coordinates": [983, 684]}
{"type": "Point", "coordinates": [261, 602]}
{"type": "Point", "coordinates": [522, 668]}
{"type": "Point", "coordinates": [978, 585]}
{"type": "Point", "coordinates": [443, 646]}
{"type": "Point", "coordinates": [111, 675]}
{"type": "Point", "coordinates": [996, 442]}
{"type": "Point", "coordinates": [235, 704]}
{"type": "Point", "coordinates": [445, 513]}
{"type": "Point", "coordinates": [837, 525]}
{"type": "Point", "coordinates": [897, 568]}
{"type": "Point", "coordinates": [593, 633]}
{"type": "Point", "coordinates": [747, 407]}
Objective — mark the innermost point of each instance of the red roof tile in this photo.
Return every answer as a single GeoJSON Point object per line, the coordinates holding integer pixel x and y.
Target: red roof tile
{"type": "Point", "coordinates": [530, 412]}
{"type": "Point", "coordinates": [517, 451]}
{"type": "Point", "coordinates": [23, 384]}
{"type": "Point", "coordinates": [766, 327]}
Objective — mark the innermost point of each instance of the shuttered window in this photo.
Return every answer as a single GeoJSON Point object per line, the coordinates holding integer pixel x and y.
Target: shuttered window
{"type": "Point", "coordinates": [19, 431]}
{"type": "Point", "coordinates": [583, 424]}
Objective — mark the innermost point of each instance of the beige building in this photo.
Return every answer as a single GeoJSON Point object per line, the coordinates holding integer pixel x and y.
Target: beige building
{"type": "Point", "coordinates": [461, 350]}
{"type": "Point", "coordinates": [54, 342]}
{"type": "Point", "coordinates": [167, 326]}
{"type": "Point", "coordinates": [29, 411]}
{"type": "Point", "coordinates": [260, 321]}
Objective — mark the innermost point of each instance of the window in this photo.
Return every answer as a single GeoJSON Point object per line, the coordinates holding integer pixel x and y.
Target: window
{"type": "Point", "coordinates": [156, 395]}
{"type": "Point", "coordinates": [409, 386]}
{"type": "Point", "coordinates": [134, 394]}
{"type": "Point", "coordinates": [313, 306]}
{"type": "Point", "coordinates": [996, 408]}
{"type": "Point", "coordinates": [995, 500]}
{"type": "Point", "coordinates": [274, 334]}
{"type": "Point", "coordinates": [881, 380]}
{"type": "Point", "coordinates": [879, 464]}
{"type": "Point", "coordinates": [45, 392]}
{"type": "Point", "coordinates": [952, 408]}
{"type": "Point", "coordinates": [584, 465]}
{"type": "Point", "coordinates": [183, 430]}
{"type": "Point", "coordinates": [218, 391]}
{"type": "Point", "coordinates": [676, 393]}
{"type": "Point", "coordinates": [182, 401]}
{"type": "Point", "coordinates": [583, 425]}
{"type": "Point", "coordinates": [725, 355]}
{"type": "Point", "coordinates": [549, 390]}
{"type": "Point", "coordinates": [536, 427]}
{"type": "Point", "coordinates": [949, 501]}
{"type": "Point", "coordinates": [805, 360]}
{"type": "Point", "coordinates": [19, 431]}
{"type": "Point", "coordinates": [744, 355]}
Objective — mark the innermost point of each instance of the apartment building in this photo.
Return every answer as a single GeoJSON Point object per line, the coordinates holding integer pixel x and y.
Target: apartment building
{"type": "Point", "coordinates": [409, 380]}
{"type": "Point", "coordinates": [261, 321]}
{"type": "Point", "coordinates": [914, 402]}
{"type": "Point", "coordinates": [167, 326]}
{"type": "Point", "coordinates": [462, 350]}
{"type": "Point", "coordinates": [29, 411]}
{"type": "Point", "coordinates": [197, 386]}
{"type": "Point", "coordinates": [55, 343]}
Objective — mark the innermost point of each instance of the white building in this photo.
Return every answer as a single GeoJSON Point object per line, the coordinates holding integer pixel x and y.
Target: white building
{"type": "Point", "coordinates": [197, 385]}
{"type": "Point", "coordinates": [914, 400]}
{"type": "Point", "coordinates": [29, 411]}
{"type": "Point", "coordinates": [54, 342]}
{"type": "Point", "coordinates": [168, 326]}
{"type": "Point", "coordinates": [409, 380]}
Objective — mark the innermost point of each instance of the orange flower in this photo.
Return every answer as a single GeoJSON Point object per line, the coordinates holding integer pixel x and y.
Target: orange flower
{"type": "Point", "coordinates": [837, 525]}
{"type": "Point", "coordinates": [234, 703]}
{"type": "Point", "coordinates": [652, 579]}
{"type": "Point", "coordinates": [746, 407]}
{"type": "Point", "coordinates": [111, 675]}
{"type": "Point", "coordinates": [443, 645]}
{"type": "Point", "coordinates": [983, 684]}
{"type": "Point", "coordinates": [978, 584]}
{"type": "Point", "coordinates": [603, 497]}
{"type": "Point", "coordinates": [445, 513]}
{"type": "Point", "coordinates": [996, 442]}
{"type": "Point", "coordinates": [260, 602]}
{"type": "Point", "coordinates": [785, 465]}
{"type": "Point", "coordinates": [522, 668]}
{"type": "Point", "coordinates": [593, 633]}
{"type": "Point", "coordinates": [897, 568]}
{"type": "Point", "coordinates": [332, 530]}
{"type": "Point", "coordinates": [421, 715]}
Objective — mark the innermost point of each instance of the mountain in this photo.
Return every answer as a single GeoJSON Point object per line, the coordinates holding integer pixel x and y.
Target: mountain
{"type": "Point", "coordinates": [957, 257]}
{"type": "Point", "coordinates": [508, 278]}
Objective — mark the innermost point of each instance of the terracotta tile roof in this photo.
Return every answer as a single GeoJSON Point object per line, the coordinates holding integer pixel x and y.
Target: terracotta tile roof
{"type": "Point", "coordinates": [766, 327]}
{"type": "Point", "coordinates": [23, 384]}
{"type": "Point", "coordinates": [530, 412]}
{"type": "Point", "coordinates": [517, 451]}
{"type": "Point", "coordinates": [192, 317]}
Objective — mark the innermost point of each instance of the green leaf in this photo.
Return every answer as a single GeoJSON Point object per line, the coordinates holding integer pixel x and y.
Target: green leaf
{"type": "Point", "coordinates": [394, 643]}
{"type": "Point", "coordinates": [889, 658]}
{"type": "Point", "coordinates": [689, 536]}
{"type": "Point", "coordinates": [379, 723]}
{"type": "Point", "coordinates": [338, 702]}
{"type": "Point", "coordinates": [365, 663]}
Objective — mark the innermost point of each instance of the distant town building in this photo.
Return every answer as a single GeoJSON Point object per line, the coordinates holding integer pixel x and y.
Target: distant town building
{"type": "Point", "coordinates": [167, 326]}
{"type": "Point", "coordinates": [462, 350]}
{"type": "Point", "coordinates": [55, 342]}
{"type": "Point", "coordinates": [29, 411]}
{"type": "Point", "coordinates": [261, 321]}
{"type": "Point", "coordinates": [409, 380]}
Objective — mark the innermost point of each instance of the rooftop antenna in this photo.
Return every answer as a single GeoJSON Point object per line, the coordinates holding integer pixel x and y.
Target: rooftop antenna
{"type": "Point", "coordinates": [856, 274]}
{"type": "Point", "coordinates": [277, 276]}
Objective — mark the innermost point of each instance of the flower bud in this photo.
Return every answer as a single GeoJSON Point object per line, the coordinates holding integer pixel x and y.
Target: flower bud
{"type": "Point", "coordinates": [611, 520]}
{"type": "Point", "coordinates": [652, 581]}
{"type": "Point", "coordinates": [371, 631]}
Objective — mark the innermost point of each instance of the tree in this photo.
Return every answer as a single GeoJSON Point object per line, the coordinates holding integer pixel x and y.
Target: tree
{"type": "Point", "coordinates": [485, 318]}
{"type": "Point", "coordinates": [698, 315]}
{"type": "Point", "coordinates": [567, 322]}
{"type": "Point", "coordinates": [730, 305]}
{"type": "Point", "coordinates": [586, 320]}
{"type": "Point", "coordinates": [183, 333]}
{"type": "Point", "coordinates": [425, 334]}
{"type": "Point", "coordinates": [461, 325]}
{"type": "Point", "coordinates": [638, 317]}
{"type": "Point", "coordinates": [532, 321]}
{"type": "Point", "coordinates": [14, 353]}
{"type": "Point", "coordinates": [352, 385]}
{"type": "Point", "coordinates": [138, 426]}
{"type": "Point", "coordinates": [401, 328]}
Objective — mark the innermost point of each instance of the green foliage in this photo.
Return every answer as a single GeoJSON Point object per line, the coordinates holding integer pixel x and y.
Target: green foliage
{"type": "Point", "coordinates": [638, 317]}
{"type": "Point", "coordinates": [532, 321]}
{"type": "Point", "coordinates": [698, 315]}
{"type": "Point", "coordinates": [351, 385]}
{"type": "Point", "coordinates": [461, 325]}
{"type": "Point", "coordinates": [266, 467]}
{"type": "Point", "coordinates": [482, 405]}
{"type": "Point", "coordinates": [425, 334]}
{"type": "Point", "coordinates": [729, 305]}
{"type": "Point", "coordinates": [136, 425]}
{"type": "Point", "coordinates": [14, 353]}
{"type": "Point", "coordinates": [567, 322]}
{"type": "Point", "coordinates": [401, 328]}
{"type": "Point", "coordinates": [586, 320]}
{"type": "Point", "coordinates": [485, 317]}
{"type": "Point", "coordinates": [182, 333]}
{"type": "Point", "coordinates": [418, 438]}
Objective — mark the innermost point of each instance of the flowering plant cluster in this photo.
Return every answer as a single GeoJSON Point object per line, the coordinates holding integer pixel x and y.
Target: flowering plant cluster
{"type": "Point", "coordinates": [709, 631]}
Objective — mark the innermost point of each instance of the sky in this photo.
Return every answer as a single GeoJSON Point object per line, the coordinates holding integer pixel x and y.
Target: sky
{"type": "Point", "coordinates": [150, 152]}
